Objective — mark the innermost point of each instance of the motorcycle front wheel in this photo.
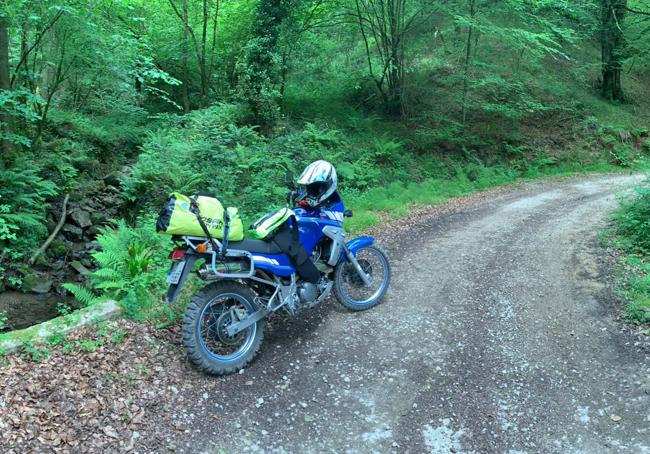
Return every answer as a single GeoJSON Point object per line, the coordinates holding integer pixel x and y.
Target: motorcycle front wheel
{"type": "Point", "coordinates": [349, 287]}
{"type": "Point", "coordinates": [205, 337]}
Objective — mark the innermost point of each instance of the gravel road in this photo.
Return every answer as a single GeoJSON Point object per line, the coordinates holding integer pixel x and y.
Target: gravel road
{"type": "Point", "coordinates": [499, 334]}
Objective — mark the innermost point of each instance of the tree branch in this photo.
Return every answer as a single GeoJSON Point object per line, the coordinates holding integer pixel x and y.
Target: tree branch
{"type": "Point", "coordinates": [55, 232]}
{"type": "Point", "coordinates": [39, 37]}
{"type": "Point", "coordinates": [636, 11]}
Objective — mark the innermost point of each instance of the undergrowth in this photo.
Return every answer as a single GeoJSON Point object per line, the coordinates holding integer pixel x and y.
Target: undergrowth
{"type": "Point", "coordinates": [631, 235]}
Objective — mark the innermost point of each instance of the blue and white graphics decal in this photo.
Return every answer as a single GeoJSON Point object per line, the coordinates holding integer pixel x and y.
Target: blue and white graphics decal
{"type": "Point", "coordinates": [334, 215]}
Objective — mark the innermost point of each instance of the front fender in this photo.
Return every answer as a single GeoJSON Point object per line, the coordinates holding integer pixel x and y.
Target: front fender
{"type": "Point", "coordinates": [358, 243]}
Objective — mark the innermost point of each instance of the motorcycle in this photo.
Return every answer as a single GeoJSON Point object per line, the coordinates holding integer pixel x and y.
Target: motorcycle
{"type": "Point", "coordinates": [223, 326]}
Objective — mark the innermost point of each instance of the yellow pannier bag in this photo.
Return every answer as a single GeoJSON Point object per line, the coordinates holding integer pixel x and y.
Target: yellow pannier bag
{"type": "Point", "coordinates": [177, 218]}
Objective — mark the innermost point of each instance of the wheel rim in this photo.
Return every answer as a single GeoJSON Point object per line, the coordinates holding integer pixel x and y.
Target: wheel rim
{"type": "Point", "coordinates": [214, 318]}
{"type": "Point", "coordinates": [375, 265]}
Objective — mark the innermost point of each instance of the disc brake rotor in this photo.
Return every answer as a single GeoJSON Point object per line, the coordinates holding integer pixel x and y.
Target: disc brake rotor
{"type": "Point", "coordinates": [223, 322]}
{"type": "Point", "coordinates": [353, 278]}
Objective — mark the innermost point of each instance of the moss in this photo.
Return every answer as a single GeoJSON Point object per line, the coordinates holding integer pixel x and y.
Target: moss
{"type": "Point", "coordinates": [38, 334]}
{"type": "Point", "coordinates": [58, 248]}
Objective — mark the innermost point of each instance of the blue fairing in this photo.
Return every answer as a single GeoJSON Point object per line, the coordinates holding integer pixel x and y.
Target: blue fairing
{"type": "Point", "coordinates": [310, 228]}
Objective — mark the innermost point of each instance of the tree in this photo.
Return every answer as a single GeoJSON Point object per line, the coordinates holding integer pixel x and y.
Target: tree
{"type": "Point", "coordinates": [5, 85]}
{"type": "Point", "coordinates": [259, 79]}
{"type": "Point", "coordinates": [472, 35]}
{"type": "Point", "coordinates": [383, 25]}
{"type": "Point", "coordinates": [209, 13]}
{"type": "Point", "coordinates": [612, 41]}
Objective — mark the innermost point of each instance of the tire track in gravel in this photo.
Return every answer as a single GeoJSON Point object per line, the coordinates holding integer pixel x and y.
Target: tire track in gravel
{"type": "Point", "coordinates": [498, 335]}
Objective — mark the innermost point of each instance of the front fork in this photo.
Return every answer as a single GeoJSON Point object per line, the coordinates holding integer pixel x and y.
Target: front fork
{"type": "Point", "coordinates": [355, 264]}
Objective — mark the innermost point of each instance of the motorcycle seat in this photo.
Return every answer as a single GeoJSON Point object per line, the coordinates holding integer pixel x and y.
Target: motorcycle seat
{"type": "Point", "coordinates": [255, 246]}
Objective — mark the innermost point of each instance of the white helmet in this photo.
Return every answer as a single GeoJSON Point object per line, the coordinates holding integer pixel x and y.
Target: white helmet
{"type": "Point", "coordinates": [320, 179]}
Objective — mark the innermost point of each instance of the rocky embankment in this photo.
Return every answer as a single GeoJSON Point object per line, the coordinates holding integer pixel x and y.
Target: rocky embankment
{"type": "Point", "coordinates": [68, 257]}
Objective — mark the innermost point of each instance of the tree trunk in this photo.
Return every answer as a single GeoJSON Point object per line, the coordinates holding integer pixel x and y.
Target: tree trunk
{"type": "Point", "coordinates": [612, 47]}
{"type": "Point", "coordinates": [384, 24]}
{"type": "Point", "coordinates": [263, 74]}
{"type": "Point", "coordinates": [396, 54]}
{"type": "Point", "coordinates": [186, 32]}
{"type": "Point", "coordinates": [5, 84]}
{"type": "Point", "coordinates": [205, 83]}
{"type": "Point", "coordinates": [468, 61]}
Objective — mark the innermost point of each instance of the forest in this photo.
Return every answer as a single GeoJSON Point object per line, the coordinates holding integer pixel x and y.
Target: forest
{"type": "Point", "coordinates": [107, 106]}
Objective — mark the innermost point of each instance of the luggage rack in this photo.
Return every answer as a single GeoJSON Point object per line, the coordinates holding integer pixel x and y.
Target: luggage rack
{"type": "Point", "coordinates": [194, 241]}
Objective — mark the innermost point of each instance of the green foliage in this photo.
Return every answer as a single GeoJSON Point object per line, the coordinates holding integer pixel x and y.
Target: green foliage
{"type": "Point", "coordinates": [88, 345]}
{"type": "Point", "coordinates": [35, 352]}
{"type": "Point", "coordinates": [23, 195]}
{"type": "Point", "coordinates": [633, 221]}
{"type": "Point", "coordinates": [18, 106]}
{"type": "Point", "coordinates": [258, 79]}
{"type": "Point", "coordinates": [632, 236]}
{"type": "Point", "coordinates": [3, 320]}
{"type": "Point", "coordinates": [130, 268]}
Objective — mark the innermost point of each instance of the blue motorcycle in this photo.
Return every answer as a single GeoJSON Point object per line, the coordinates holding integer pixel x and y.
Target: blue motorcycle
{"type": "Point", "coordinates": [293, 269]}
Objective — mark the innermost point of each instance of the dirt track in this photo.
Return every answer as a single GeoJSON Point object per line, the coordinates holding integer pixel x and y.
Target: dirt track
{"type": "Point", "coordinates": [499, 334]}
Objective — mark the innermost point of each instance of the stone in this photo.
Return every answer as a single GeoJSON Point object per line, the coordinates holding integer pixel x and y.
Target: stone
{"type": "Point", "coordinates": [93, 246]}
{"type": "Point", "coordinates": [11, 341]}
{"type": "Point", "coordinates": [112, 179]}
{"type": "Point", "coordinates": [81, 218]}
{"type": "Point", "coordinates": [37, 284]}
{"type": "Point", "coordinates": [72, 231]}
{"type": "Point", "coordinates": [78, 267]}
{"type": "Point", "coordinates": [94, 230]}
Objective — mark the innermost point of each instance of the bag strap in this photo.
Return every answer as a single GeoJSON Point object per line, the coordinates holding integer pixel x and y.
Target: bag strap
{"type": "Point", "coordinates": [194, 208]}
{"type": "Point", "coordinates": [226, 233]}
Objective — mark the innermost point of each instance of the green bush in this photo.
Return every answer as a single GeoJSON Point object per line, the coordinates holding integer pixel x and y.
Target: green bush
{"type": "Point", "coordinates": [210, 152]}
{"type": "Point", "coordinates": [131, 268]}
{"type": "Point", "coordinates": [23, 193]}
{"type": "Point", "coordinates": [633, 221]}
{"type": "Point", "coordinates": [632, 236]}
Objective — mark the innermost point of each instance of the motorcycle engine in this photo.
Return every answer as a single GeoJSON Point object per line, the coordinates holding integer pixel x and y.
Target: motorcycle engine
{"type": "Point", "coordinates": [307, 292]}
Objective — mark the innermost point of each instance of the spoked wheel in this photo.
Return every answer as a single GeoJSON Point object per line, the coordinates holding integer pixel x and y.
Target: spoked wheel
{"type": "Point", "coordinates": [349, 287]}
{"type": "Point", "coordinates": [205, 334]}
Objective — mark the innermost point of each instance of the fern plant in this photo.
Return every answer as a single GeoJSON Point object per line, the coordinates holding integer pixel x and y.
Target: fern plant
{"type": "Point", "coordinates": [130, 268]}
{"type": "Point", "coordinates": [22, 196]}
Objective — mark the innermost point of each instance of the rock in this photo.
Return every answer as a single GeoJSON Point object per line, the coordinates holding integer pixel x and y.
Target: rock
{"type": "Point", "coordinates": [98, 217]}
{"type": "Point", "coordinates": [81, 218]}
{"type": "Point", "coordinates": [37, 284]}
{"type": "Point", "coordinates": [58, 248]}
{"type": "Point", "coordinates": [79, 268]}
{"type": "Point", "coordinates": [72, 231]}
{"type": "Point", "coordinates": [112, 179]}
{"type": "Point", "coordinates": [79, 247]}
{"type": "Point", "coordinates": [58, 265]}
{"type": "Point", "coordinates": [94, 230]}
{"type": "Point", "coordinates": [93, 246]}
{"type": "Point", "coordinates": [86, 262]}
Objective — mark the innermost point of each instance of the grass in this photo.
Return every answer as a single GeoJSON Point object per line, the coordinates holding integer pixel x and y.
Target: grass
{"type": "Point", "coordinates": [396, 199]}
{"type": "Point", "coordinates": [631, 236]}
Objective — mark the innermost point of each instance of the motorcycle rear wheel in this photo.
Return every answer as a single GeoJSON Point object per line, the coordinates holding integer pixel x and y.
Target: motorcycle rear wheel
{"type": "Point", "coordinates": [207, 343]}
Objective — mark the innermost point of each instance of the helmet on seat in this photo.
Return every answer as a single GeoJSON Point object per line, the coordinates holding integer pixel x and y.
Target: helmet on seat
{"type": "Point", "coordinates": [320, 180]}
